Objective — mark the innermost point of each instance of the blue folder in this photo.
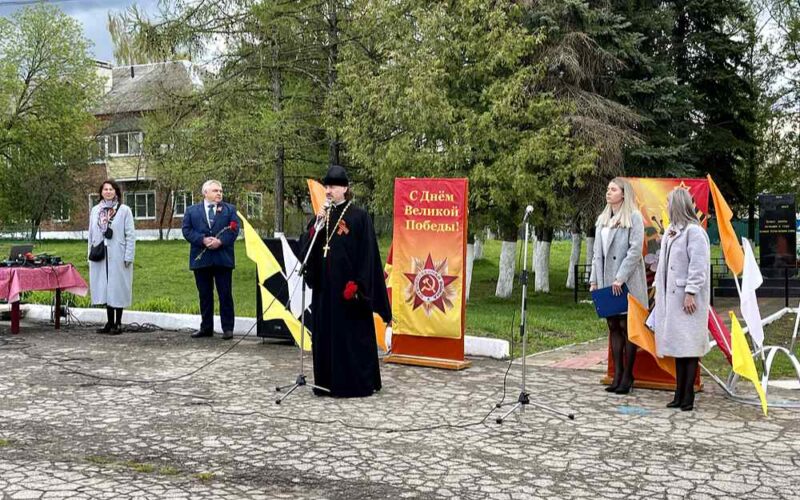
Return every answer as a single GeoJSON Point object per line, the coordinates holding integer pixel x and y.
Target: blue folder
{"type": "Point", "coordinates": [607, 304]}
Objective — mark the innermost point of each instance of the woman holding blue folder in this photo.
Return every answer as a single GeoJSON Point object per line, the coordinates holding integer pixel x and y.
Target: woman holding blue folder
{"type": "Point", "coordinates": [617, 261]}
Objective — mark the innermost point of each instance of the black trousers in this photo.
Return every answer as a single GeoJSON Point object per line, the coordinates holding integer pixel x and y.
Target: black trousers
{"type": "Point", "coordinates": [685, 371]}
{"type": "Point", "coordinates": [206, 278]}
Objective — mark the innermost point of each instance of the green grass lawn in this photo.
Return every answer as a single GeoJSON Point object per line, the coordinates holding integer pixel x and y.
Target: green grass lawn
{"type": "Point", "coordinates": [554, 319]}
{"type": "Point", "coordinates": [163, 283]}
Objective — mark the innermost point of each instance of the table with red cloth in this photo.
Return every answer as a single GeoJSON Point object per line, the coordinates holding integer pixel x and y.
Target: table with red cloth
{"type": "Point", "coordinates": [15, 280]}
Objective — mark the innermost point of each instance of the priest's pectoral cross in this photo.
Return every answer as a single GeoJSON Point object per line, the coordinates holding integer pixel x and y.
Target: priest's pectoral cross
{"type": "Point", "coordinates": [325, 250]}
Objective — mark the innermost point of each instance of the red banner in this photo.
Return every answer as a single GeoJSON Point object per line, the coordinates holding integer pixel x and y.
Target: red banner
{"type": "Point", "coordinates": [651, 195]}
{"type": "Point", "coordinates": [428, 267]}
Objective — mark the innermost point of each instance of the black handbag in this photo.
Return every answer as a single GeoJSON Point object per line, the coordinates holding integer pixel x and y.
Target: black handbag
{"type": "Point", "coordinates": [109, 233]}
{"type": "Point", "coordinates": [98, 252]}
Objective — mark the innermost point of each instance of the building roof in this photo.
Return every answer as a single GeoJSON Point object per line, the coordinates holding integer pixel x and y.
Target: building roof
{"type": "Point", "coordinates": [146, 87]}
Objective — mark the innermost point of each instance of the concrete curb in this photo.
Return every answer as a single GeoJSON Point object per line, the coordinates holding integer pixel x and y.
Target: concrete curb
{"type": "Point", "coordinates": [473, 346]}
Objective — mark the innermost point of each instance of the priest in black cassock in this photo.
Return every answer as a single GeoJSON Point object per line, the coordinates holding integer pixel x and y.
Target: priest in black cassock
{"type": "Point", "coordinates": [345, 272]}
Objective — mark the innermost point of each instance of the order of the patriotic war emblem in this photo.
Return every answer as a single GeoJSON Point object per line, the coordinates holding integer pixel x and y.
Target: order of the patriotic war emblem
{"type": "Point", "coordinates": [429, 285]}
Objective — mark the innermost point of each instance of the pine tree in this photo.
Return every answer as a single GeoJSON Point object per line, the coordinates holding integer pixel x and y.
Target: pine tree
{"type": "Point", "coordinates": [453, 89]}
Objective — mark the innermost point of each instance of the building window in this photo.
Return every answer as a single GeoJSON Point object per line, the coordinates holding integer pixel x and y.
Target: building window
{"type": "Point", "coordinates": [142, 203]}
{"type": "Point", "coordinates": [61, 212]}
{"type": "Point", "coordinates": [254, 205]}
{"type": "Point", "coordinates": [125, 144]}
{"type": "Point", "coordinates": [180, 202]}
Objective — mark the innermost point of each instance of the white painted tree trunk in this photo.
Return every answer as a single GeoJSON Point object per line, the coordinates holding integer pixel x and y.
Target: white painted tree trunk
{"type": "Point", "coordinates": [505, 279]}
{"type": "Point", "coordinates": [589, 250]}
{"type": "Point", "coordinates": [534, 249]}
{"type": "Point", "coordinates": [470, 265]}
{"type": "Point", "coordinates": [542, 267]}
{"type": "Point", "coordinates": [574, 259]}
{"type": "Point", "coordinates": [478, 249]}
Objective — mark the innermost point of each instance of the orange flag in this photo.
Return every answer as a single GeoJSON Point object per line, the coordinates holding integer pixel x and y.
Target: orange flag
{"type": "Point", "coordinates": [317, 193]}
{"type": "Point", "coordinates": [380, 332]}
{"type": "Point", "coordinates": [734, 255]}
{"type": "Point", "coordinates": [640, 335]}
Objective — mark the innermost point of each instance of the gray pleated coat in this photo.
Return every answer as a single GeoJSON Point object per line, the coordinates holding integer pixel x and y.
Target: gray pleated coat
{"type": "Point", "coordinates": [110, 282]}
{"type": "Point", "coordinates": [621, 259]}
{"type": "Point", "coordinates": [683, 266]}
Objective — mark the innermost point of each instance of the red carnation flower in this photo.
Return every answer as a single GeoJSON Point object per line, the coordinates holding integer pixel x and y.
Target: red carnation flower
{"type": "Point", "coordinates": [232, 226]}
{"type": "Point", "coordinates": [350, 290]}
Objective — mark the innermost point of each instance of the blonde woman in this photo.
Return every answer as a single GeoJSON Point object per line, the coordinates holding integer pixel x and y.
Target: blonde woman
{"type": "Point", "coordinates": [617, 261]}
{"type": "Point", "coordinates": [683, 292]}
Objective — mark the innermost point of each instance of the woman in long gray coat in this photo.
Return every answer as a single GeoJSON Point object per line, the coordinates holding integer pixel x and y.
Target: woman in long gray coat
{"type": "Point", "coordinates": [683, 291]}
{"type": "Point", "coordinates": [111, 279]}
{"type": "Point", "coordinates": [617, 260]}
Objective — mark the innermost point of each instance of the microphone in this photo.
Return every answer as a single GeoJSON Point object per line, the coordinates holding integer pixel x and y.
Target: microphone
{"type": "Point", "coordinates": [321, 220]}
{"type": "Point", "coordinates": [528, 212]}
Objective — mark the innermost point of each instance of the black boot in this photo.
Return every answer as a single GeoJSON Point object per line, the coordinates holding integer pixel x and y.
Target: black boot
{"type": "Point", "coordinates": [109, 321]}
{"type": "Point", "coordinates": [117, 329]}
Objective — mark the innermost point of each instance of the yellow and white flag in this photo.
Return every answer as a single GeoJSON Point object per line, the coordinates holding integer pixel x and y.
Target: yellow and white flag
{"type": "Point", "coordinates": [743, 359]}
{"type": "Point", "coordinates": [275, 310]}
{"type": "Point", "coordinates": [257, 251]}
{"type": "Point", "coordinates": [266, 267]}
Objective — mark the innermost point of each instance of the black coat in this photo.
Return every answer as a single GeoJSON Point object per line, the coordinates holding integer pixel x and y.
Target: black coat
{"type": "Point", "coordinates": [343, 331]}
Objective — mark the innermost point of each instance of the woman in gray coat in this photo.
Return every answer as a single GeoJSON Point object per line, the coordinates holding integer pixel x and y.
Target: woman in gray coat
{"type": "Point", "coordinates": [683, 291]}
{"type": "Point", "coordinates": [618, 244]}
{"type": "Point", "coordinates": [111, 279]}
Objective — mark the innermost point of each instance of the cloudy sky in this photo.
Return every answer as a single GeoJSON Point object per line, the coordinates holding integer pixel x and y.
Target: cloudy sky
{"type": "Point", "coordinates": [92, 14]}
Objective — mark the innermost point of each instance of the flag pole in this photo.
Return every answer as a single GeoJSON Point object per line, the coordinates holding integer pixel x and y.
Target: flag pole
{"type": "Point", "coordinates": [719, 327]}
{"type": "Point", "coordinates": [717, 380]}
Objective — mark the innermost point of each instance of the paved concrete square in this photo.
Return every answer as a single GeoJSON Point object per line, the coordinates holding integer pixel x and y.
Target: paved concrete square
{"type": "Point", "coordinates": [217, 433]}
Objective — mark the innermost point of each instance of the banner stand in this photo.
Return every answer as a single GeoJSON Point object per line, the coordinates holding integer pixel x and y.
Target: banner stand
{"type": "Point", "coordinates": [447, 364]}
{"type": "Point", "coordinates": [427, 275]}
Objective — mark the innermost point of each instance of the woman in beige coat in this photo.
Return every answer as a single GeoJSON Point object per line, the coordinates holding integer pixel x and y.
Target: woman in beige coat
{"type": "Point", "coordinates": [617, 261]}
{"type": "Point", "coordinates": [683, 291]}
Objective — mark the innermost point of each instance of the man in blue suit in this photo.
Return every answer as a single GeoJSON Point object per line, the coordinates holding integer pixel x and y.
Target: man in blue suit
{"type": "Point", "coordinates": [211, 227]}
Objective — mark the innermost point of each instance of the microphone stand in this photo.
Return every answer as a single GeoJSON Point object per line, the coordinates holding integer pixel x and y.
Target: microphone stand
{"type": "Point", "coordinates": [300, 381]}
{"type": "Point", "coordinates": [524, 397]}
